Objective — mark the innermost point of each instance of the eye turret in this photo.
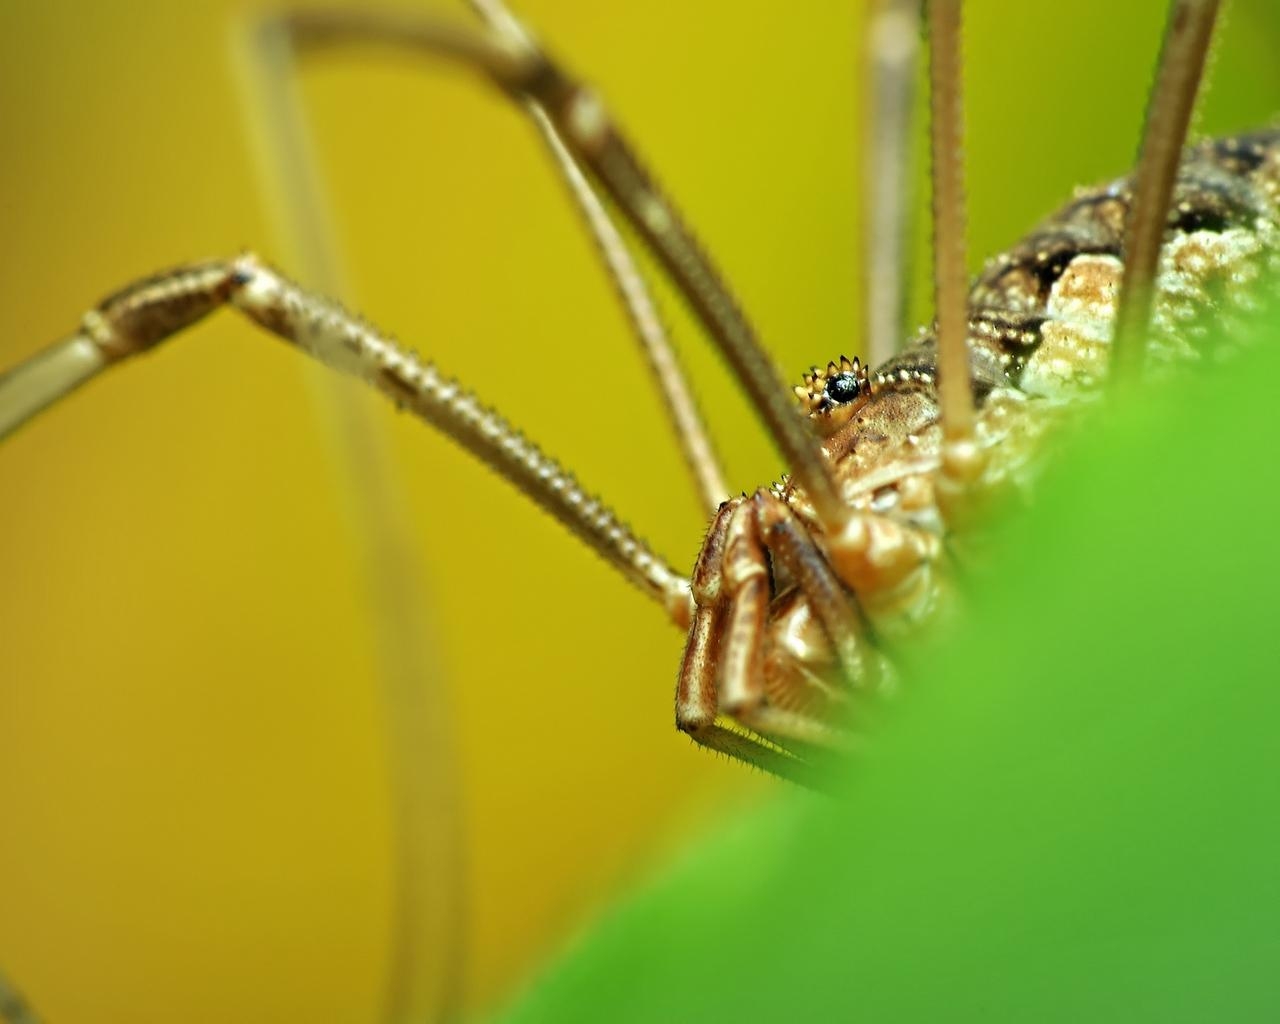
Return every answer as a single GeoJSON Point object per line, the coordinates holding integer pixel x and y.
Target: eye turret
{"type": "Point", "coordinates": [843, 387]}
{"type": "Point", "coordinates": [830, 396]}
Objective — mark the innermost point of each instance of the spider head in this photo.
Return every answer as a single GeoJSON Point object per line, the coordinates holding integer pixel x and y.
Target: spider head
{"type": "Point", "coordinates": [830, 396]}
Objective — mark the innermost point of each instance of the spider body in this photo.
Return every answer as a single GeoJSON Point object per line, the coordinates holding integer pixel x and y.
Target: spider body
{"type": "Point", "coordinates": [1040, 324]}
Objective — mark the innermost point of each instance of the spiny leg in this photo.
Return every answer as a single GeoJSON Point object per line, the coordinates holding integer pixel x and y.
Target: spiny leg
{"type": "Point", "coordinates": [347, 344]}
{"type": "Point", "coordinates": [892, 43]}
{"type": "Point", "coordinates": [146, 313]}
{"type": "Point", "coordinates": [1169, 108]}
{"type": "Point", "coordinates": [520, 67]}
{"type": "Point", "coordinates": [305, 32]}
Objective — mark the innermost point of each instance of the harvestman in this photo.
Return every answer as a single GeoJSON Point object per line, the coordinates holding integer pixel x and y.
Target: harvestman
{"type": "Point", "coordinates": [797, 585]}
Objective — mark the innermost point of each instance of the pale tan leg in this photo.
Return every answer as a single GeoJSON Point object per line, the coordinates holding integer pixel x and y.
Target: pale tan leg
{"type": "Point", "coordinates": [517, 65]}
{"type": "Point", "coordinates": [282, 40]}
{"type": "Point", "coordinates": [1173, 97]}
{"type": "Point", "coordinates": [892, 43]}
{"type": "Point", "coordinates": [149, 311]}
{"type": "Point", "coordinates": [962, 460]}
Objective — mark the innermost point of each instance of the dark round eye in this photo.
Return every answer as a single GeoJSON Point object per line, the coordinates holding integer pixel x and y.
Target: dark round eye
{"type": "Point", "coordinates": [843, 387]}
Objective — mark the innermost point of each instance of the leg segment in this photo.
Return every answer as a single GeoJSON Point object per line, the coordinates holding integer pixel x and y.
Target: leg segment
{"type": "Point", "coordinates": [519, 67]}
{"type": "Point", "coordinates": [146, 313]}
{"type": "Point", "coordinates": [835, 608]}
{"type": "Point", "coordinates": [122, 325]}
{"type": "Point", "coordinates": [691, 432]}
{"type": "Point", "coordinates": [1173, 96]}
{"type": "Point", "coordinates": [281, 39]}
{"type": "Point", "coordinates": [892, 43]}
{"type": "Point", "coordinates": [961, 462]}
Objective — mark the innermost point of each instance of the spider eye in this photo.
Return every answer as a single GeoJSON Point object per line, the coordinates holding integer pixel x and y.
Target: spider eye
{"type": "Point", "coordinates": [829, 397]}
{"type": "Point", "coordinates": [843, 387]}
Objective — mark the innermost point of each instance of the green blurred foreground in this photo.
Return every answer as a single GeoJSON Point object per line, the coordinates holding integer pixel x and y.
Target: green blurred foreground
{"type": "Point", "coordinates": [1070, 816]}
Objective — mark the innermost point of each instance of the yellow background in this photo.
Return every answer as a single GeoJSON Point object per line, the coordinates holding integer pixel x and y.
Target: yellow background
{"type": "Point", "coordinates": [195, 819]}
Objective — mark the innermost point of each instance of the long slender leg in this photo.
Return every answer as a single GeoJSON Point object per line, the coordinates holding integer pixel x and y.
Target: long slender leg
{"type": "Point", "coordinates": [594, 137]}
{"type": "Point", "coordinates": [522, 69]}
{"type": "Point", "coordinates": [147, 312]}
{"type": "Point", "coordinates": [892, 44]}
{"type": "Point", "coordinates": [646, 322]}
{"type": "Point", "coordinates": [1173, 97]}
{"type": "Point", "coordinates": [276, 108]}
{"type": "Point", "coordinates": [303, 33]}
{"type": "Point", "coordinates": [682, 410]}
{"type": "Point", "coordinates": [123, 324]}
{"type": "Point", "coordinates": [950, 278]}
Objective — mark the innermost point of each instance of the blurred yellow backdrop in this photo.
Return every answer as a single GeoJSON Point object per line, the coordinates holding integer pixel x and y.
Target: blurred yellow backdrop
{"type": "Point", "coordinates": [194, 780]}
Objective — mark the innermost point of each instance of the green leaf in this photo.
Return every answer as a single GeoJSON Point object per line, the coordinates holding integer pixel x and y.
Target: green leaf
{"type": "Point", "coordinates": [1071, 812]}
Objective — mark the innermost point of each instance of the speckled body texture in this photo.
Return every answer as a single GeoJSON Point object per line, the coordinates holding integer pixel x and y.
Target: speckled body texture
{"type": "Point", "coordinates": [1040, 325]}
